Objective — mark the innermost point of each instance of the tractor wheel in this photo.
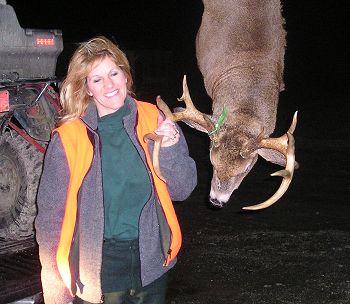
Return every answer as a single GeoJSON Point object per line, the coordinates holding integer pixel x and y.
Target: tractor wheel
{"type": "Point", "coordinates": [20, 169]}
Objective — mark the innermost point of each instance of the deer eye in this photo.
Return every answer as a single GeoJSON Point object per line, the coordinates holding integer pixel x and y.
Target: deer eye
{"type": "Point", "coordinates": [242, 140]}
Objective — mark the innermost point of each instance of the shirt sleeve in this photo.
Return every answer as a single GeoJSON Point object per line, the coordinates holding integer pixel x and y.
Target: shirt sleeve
{"type": "Point", "coordinates": [179, 169]}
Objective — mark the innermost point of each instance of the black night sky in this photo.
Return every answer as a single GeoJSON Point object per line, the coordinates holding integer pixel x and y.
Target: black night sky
{"type": "Point", "coordinates": [316, 55]}
{"type": "Point", "coordinates": [134, 24]}
{"type": "Point", "coordinates": [316, 41]}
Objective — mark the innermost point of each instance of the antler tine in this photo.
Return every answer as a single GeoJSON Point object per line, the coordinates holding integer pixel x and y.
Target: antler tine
{"type": "Point", "coordinates": [186, 97]}
{"type": "Point", "coordinates": [294, 123]}
{"type": "Point", "coordinates": [284, 144]}
{"type": "Point", "coordinates": [165, 109]}
{"type": "Point", "coordinates": [190, 113]}
{"type": "Point", "coordinates": [156, 149]}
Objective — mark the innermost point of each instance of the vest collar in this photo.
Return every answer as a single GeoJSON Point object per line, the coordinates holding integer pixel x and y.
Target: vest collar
{"type": "Point", "coordinates": [90, 116]}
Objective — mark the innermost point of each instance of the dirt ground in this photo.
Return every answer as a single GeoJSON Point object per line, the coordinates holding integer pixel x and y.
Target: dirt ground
{"type": "Point", "coordinates": [296, 251]}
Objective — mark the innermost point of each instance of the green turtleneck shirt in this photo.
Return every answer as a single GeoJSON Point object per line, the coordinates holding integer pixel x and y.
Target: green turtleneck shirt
{"type": "Point", "coordinates": [126, 184]}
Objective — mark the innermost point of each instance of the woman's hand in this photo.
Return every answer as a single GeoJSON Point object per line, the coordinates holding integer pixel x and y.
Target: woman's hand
{"type": "Point", "coordinates": [167, 129]}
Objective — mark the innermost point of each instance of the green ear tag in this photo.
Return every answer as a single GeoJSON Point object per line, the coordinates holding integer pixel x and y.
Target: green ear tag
{"type": "Point", "coordinates": [220, 121]}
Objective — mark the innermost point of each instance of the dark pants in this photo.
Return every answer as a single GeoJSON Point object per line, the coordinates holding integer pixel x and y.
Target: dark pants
{"type": "Point", "coordinates": [153, 293]}
{"type": "Point", "coordinates": [120, 276]}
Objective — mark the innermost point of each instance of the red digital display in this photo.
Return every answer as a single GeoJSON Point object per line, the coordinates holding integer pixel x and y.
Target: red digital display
{"type": "Point", "coordinates": [45, 41]}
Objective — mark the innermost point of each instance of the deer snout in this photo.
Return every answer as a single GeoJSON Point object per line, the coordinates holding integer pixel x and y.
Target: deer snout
{"type": "Point", "coordinates": [216, 203]}
{"type": "Point", "coordinates": [216, 197]}
{"type": "Point", "coordinates": [221, 190]}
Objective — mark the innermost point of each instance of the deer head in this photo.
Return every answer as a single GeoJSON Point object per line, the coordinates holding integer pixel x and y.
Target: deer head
{"type": "Point", "coordinates": [234, 150]}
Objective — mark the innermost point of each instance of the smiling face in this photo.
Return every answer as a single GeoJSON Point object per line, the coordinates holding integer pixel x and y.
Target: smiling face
{"type": "Point", "coordinates": [107, 84]}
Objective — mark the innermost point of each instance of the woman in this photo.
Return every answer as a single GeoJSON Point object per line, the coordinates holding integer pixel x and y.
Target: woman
{"type": "Point", "coordinates": [106, 227]}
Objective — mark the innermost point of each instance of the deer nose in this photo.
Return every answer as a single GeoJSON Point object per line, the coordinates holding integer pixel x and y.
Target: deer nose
{"type": "Point", "coordinates": [216, 203]}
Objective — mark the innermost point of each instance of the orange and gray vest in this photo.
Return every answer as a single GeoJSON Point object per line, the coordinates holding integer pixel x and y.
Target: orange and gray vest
{"type": "Point", "coordinates": [79, 153]}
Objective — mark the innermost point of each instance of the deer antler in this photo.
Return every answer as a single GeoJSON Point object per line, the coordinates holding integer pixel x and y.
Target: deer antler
{"type": "Point", "coordinates": [190, 114]}
{"type": "Point", "coordinates": [157, 141]}
{"type": "Point", "coordinates": [285, 145]}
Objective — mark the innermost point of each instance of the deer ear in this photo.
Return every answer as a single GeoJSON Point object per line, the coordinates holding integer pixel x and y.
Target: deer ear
{"type": "Point", "coordinates": [272, 156]}
{"type": "Point", "coordinates": [275, 157]}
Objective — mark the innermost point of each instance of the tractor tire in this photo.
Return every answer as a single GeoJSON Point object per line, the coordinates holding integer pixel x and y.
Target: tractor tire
{"type": "Point", "coordinates": [20, 169]}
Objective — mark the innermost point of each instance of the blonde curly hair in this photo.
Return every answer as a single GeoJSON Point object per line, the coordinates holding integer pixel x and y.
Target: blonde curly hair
{"type": "Point", "coordinates": [73, 92]}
